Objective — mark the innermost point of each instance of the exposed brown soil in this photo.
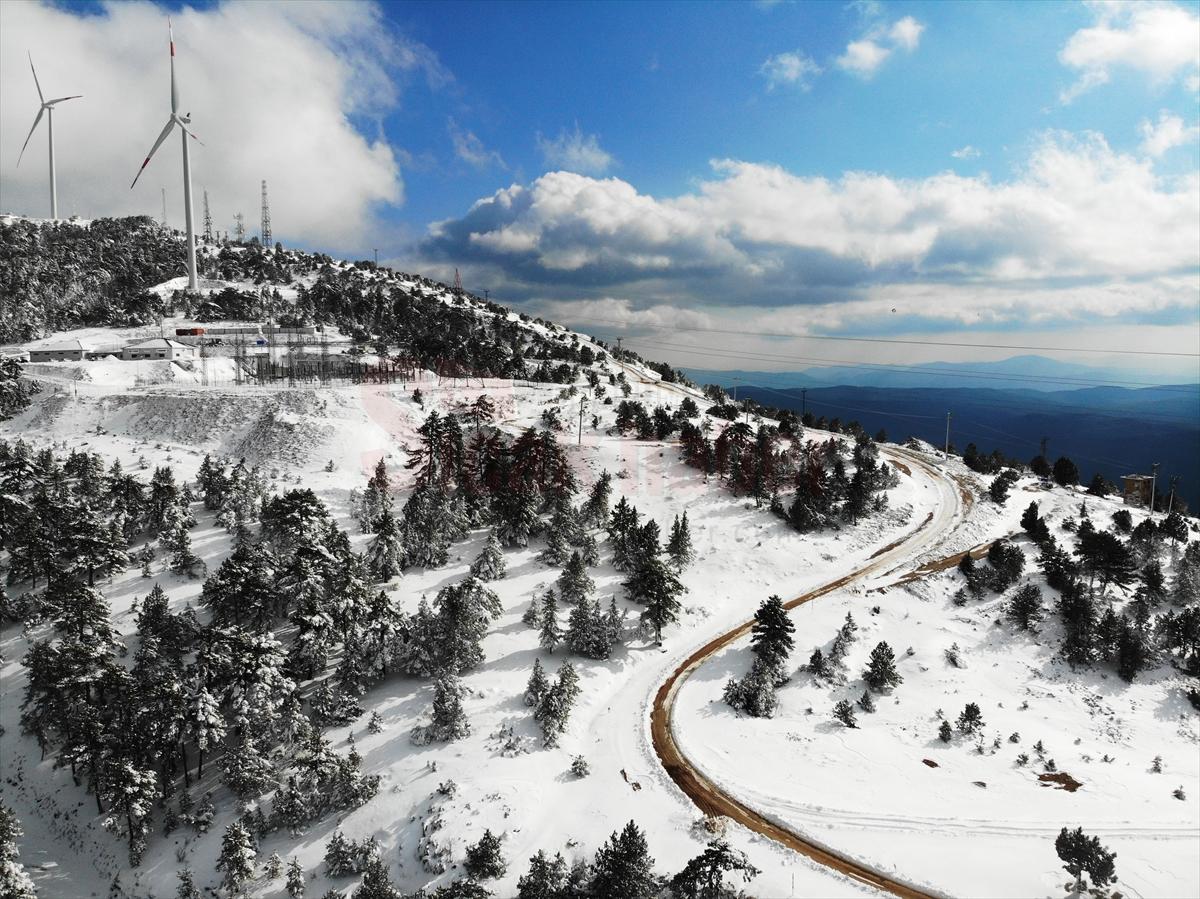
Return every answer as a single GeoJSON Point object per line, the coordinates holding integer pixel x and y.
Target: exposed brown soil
{"type": "Point", "coordinates": [900, 465]}
{"type": "Point", "coordinates": [1061, 781]}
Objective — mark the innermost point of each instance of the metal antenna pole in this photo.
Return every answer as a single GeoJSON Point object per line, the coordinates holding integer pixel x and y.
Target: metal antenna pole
{"type": "Point", "coordinates": [947, 451]}
{"type": "Point", "coordinates": [1171, 501]}
{"type": "Point", "coordinates": [803, 401]}
{"type": "Point", "coordinates": [264, 229]}
{"type": "Point", "coordinates": [582, 401]}
{"type": "Point", "coordinates": [1153, 487]}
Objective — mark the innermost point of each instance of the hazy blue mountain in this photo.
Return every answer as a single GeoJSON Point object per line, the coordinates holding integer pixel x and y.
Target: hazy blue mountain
{"type": "Point", "coordinates": [1031, 372]}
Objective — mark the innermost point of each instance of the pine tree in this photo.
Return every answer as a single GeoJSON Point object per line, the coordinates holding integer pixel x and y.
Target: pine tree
{"type": "Point", "coordinates": [866, 703]}
{"type": "Point", "coordinates": [449, 717]}
{"type": "Point", "coordinates": [377, 882]}
{"type": "Point", "coordinates": [385, 552]}
{"type": "Point", "coordinates": [237, 857]}
{"type": "Point", "coordinates": [771, 637]}
{"type": "Point", "coordinates": [944, 731]}
{"type": "Point", "coordinates": [489, 566]}
{"type": "Point", "coordinates": [817, 666]}
{"type": "Point", "coordinates": [881, 668]}
{"type": "Point", "coordinates": [274, 865]}
{"type": "Point", "coordinates": [550, 635]}
{"type": "Point", "coordinates": [295, 879]}
{"type": "Point", "coordinates": [704, 876]}
{"type": "Point", "coordinates": [340, 855]}
{"type": "Point", "coordinates": [14, 882]}
{"type": "Point", "coordinates": [546, 878]}
{"type": "Point", "coordinates": [574, 585]}
{"type": "Point", "coordinates": [484, 859]}
{"type": "Point", "coordinates": [1081, 853]}
{"type": "Point", "coordinates": [556, 549]}
{"type": "Point", "coordinates": [679, 545]}
{"type": "Point", "coordinates": [755, 693]}
{"type": "Point", "coordinates": [595, 510]}
{"type": "Point", "coordinates": [623, 867]}
{"type": "Point", "coordinates": [970, 720]}
{"type": "Point", "coordinates": [844, 712]}
{"type": "Point", "coordinates": [538, 685]}
{"type": "Point", "coordinates": [464, 612]}
{"type": "Point", "coordinates": [660, 589]}
{"type": "Point", "coordinates": [1025, 608]}
{"type": "Point", "coordinates": [130, 791]}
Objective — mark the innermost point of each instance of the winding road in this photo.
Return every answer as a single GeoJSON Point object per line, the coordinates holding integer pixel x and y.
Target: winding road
{"type": "Point", "coordinates": [705, 792]}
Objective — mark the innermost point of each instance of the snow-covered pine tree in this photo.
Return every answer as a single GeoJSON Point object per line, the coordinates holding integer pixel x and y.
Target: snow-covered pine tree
{"type": "Point", "coordinates": [704, 876]}
{"type": "Point", "coordinates": [385, 552]}
{"type": "Point", "coordinates": [623, 867]}
{"type": "Point", "coordinates": [295, 879]}
{"type": "Point", "coordinates": [771, 637]}
{"type": "Point", "coordinates": [660, 590]}
{"type": "Point", "coordinates": [594, 511]}
{"type": "Point", "coordinates": [449, 718]}
{"type": "Point", "coordinates": [549, 632]}
{"type": "Point", "coordinates": [679, 545]}
{"type": "Point", "coordinates": [236, 858]}
{"type": "Point", "coordinates": [545, 879]}
{"type": "Point", "coordinates": [130, 791]}
{"type": "Point", "coordinates": [538, 684]}
{"type": "Point", "coordinates": [574, 584]}
{"type": "Point", "coordinates": [754, 694]}
{"type": "Point", "coordinates": [464, 612]}
{"type": "Point", "coordinates": [14, 882]}
{"type": "Point", "coordinates": [489, 565]}
{"type": "Point", "coordinates": [881, 670]}
{"type": "Point", "coordinates": [843, 712]}
{"type": "Point", "coordinates": [556, 550]}
{"type": "Point", "coordinates": [1025, 608]}
{"type": "Point", "coordinates": [484, 859]}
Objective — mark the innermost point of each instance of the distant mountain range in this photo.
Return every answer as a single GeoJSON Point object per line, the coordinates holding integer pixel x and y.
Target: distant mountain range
{"type": "Point", "coordinates": [1110, 430]}
{"type": "Point", "coordinates": [1030, 372]}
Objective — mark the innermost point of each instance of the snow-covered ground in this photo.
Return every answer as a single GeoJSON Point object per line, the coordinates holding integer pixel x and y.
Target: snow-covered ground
{"type": "Point", "coordinates": [971, 824]}
{"type": "Point", "coordinates": [865, 792]}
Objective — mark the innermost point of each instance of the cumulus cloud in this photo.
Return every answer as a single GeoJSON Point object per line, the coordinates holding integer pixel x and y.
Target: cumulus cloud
{"type": "Point", "coordinates": [1168, 132]}
{"type": "Point", "coordinates": [967, 152]}
{"type": "Point", "coordinates": [470, 149]}
{"type": "Point", "coordinates": [575, 152]}
{"type": "Point", "coordinates": [1080, 228]}
{"type": "Point", "coordinates": [1157, 39]}
{"type": "Point", "coordinates": [865, 56]}
{"type": "Point", "coordinates": [793, 69]}
{"type": "Point", "coordinates": [276, 91]}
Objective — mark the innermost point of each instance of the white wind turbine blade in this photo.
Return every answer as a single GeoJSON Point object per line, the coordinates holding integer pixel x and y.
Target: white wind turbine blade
{"type": "Point", "coordinates": [158, 143]}
{"type": "Point", "coordinates": [191, 135]}
{"type": "Point", "coordinates": [37, 118]}
{"type": "Point", "coordinates": [35, 78]}
{"type": "Point", "coordinates": [174, 89]}
{"type": "Point", "coordinates": [61, 99]}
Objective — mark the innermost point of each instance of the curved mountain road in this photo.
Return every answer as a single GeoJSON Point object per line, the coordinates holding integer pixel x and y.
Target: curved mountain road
{"type": "Point", "coordinates": [702, 790]}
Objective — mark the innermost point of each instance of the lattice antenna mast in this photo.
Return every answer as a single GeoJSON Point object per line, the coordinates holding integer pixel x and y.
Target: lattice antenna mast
{"type": "Point", "coordinates": [239, 228]}
{"type": "Point", "coordinates": [208, 231]}
{"type": "Point", "coordinates": [457, 281]}
{"type": "Point", "coordinates": [264, 231]}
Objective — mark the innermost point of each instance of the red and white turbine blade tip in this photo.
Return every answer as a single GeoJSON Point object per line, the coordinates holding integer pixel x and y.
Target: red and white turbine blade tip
{"type": "Point", "coordinates": [158, 143]}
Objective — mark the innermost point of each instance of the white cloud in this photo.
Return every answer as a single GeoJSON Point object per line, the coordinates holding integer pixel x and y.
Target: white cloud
{"type": "Point", "coordinates": [865, 56]}
{"type": "Point", "coordinates": [1157, 39]}
{"type": "Point", "coordinates": [470, 149]}
{"type": "Point", "coordinates": [575, 151]}
{"type": "Point", "coordinates": [967, 152]}
{"type": "Point", "coordinates": [793, 69]}
{"type": "Point", "coordinates": [273, 90]}
{"type": "Point", "coordinates": [906, 33]}
{"type": "Point", "coordinates": [1168, 132]}
{"type": "Point", "coordinates": [1080, 231]}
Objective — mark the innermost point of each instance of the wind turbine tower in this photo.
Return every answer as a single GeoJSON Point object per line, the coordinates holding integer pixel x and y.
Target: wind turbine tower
{"type": "Point", "coordinates": [164, 199]}
{"type": "Point", "coordinates": [47, 108]}
{"type": "Point", "coordinates": [264, 230]}
{"type": "Point", "coordinates": [182, 121]}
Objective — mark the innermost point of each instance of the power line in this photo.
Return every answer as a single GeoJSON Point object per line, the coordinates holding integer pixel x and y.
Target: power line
{"type": "Point", "coordinates": [898, 340]}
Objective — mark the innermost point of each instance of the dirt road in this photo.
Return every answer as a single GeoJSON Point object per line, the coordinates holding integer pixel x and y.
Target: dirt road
{"type": "Point", "coordinates": [704, 792]}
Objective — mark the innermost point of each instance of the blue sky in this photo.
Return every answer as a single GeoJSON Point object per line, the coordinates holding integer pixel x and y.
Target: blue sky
{"type": "Point", "coordinates": [988, 172]}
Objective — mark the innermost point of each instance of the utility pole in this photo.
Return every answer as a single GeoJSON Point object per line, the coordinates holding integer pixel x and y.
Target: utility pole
{"type": "Point", "coordinates": [947, 451]}
{"type": "Point", "coordinates": [208, 231]}
{"type": "Point", "coordinates": [803, 401]}
{"type": "Point", "coordinates": [1171, 501]}
{"type": "Point", "coordinates": [264, 229]}
{"type": "Point", "coordinates": [377, 257]}
{"type": "Point", "coordinates": [619, 347]}
{"type": "Point", "coordinates": [582, 403]}
{"type": "Point", "coordinates": [487, 295]}
{"type": "Point", "coordinates": [1153, 487]}
{"type": "Point", "coordinates": [1045, 443]}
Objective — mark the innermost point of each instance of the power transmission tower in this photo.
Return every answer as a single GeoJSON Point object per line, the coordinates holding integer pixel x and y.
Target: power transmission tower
{"type": "Point", "coordinates": [208, 231]}
{"type": "Point", "coordinates": [264, 231]}
{"type": "Point", "coordinates": [239, 228]}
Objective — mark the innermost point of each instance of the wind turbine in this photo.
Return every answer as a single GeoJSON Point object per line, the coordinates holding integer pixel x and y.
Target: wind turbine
{"type": "Point", "coordinates": [47, 108]}
{"type": "Point", "coordinates": [182, 121]}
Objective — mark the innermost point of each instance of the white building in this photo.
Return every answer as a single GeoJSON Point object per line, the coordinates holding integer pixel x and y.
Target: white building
{"type": "Point", "coordinates": [68, 351]}
{"type": "Point", "coordinates": [159, 348]}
